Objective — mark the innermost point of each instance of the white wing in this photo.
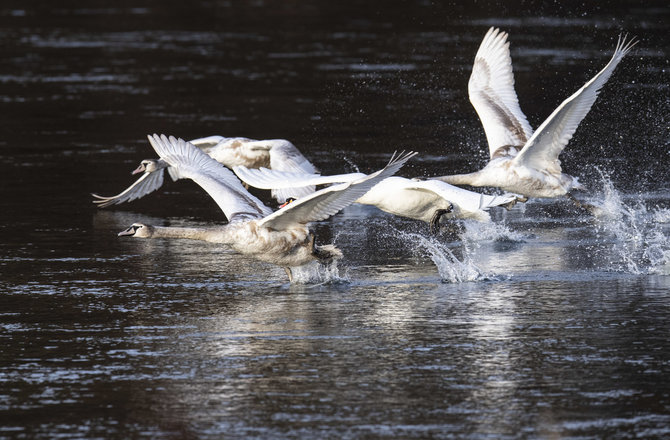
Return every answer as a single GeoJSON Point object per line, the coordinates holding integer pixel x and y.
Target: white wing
{"type": "Point", "coordinates": [219, 182]}
{"type": "Point", "coordinates": [264, 178]}
{"type": "Point", "coordinates": [492, 94]}
{"type": "Point", "coordinates": [467, 200]}
{"type": "Point", "coordinates": [542, 149]}
{"type": "Point", "coordinates": [208, 142]}
{"type": "Point", "coordinates": [284, 156]}
{"type": "Point", "coordinates": [147, 183]}
{"type": "Point", "coordinates": [329, 201]}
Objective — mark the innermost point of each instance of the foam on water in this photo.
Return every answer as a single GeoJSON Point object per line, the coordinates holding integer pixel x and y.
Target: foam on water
{"type": "Point", "coordinates": [641, 245]}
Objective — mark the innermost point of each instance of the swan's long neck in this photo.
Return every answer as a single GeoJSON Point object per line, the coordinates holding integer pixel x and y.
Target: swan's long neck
{"type": "Point", "coordinates": [219, 234]}
{"type": "Point", "coordinates": [472, 179]}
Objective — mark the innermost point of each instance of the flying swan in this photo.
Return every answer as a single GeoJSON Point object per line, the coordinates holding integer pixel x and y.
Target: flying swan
{"type": "Point", "coordinates": [521, 161]}
{"type": "Point", "coordinates": [431, 201]}
{"type": "Point", "coordinates": [282, 237]}
{"type": "Point", "coordinates": [277, 154]}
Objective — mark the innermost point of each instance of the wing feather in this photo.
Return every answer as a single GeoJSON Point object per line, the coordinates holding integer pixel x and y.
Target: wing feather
{"type": "Point", "coordinates": [264, 178]}
{"type": "Point", "coordinates": [492, 94]}
{"type": "Point", "coordinates": [209, 142]}
{"type": "Point", "coordinates": [284, 156]}
{"type": "Point", "coordinates": [147, 183]}
{"type": "Point", "coordinates": [329, 201]}
{"type": "Point", "coordinates": [543, 148]}
{"type": "Point", "coordinates": [219, 182]}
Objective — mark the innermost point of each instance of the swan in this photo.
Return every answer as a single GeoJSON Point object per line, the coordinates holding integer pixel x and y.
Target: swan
{"type": "Point", "coordinates": [431, 201]}
{"type": "Point", "coordinates": [524, 162]}
{"type": "Point", "coordinates": [278, 154]}
{"type": "Point", "coordinates": [282, 237]}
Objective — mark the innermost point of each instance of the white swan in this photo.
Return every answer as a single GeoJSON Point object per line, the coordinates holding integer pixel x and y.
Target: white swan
{"type": "Point", "coordinates": [278, 154]}
{"type": "Point", "coordinates": [428, 200]}
{"type": "Point", "coordinates": [282, 237]}
{"type": "Point", "coordinates": [521, 161]}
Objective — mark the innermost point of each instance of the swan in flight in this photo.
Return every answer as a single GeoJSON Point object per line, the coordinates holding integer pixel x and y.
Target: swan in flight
{"type": "Point", "coordinates": [524, 162]}
{"type": "Point", "coordinates": [282, 237]}
{"type": "Point", "coordinates": [431, 201]}
{"type": "Point", "coordinates": [277, 154]}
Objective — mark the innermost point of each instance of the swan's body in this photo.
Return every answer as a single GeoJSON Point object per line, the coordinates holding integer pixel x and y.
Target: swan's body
{"type": "Point", "coordinates": [278, 154]}
{"type": "Point", "coordinates": [427, 200]}
{"type": "Point", "coordinates": [282, 237]}
{"type": "Point", "coordinates": [521, 161]}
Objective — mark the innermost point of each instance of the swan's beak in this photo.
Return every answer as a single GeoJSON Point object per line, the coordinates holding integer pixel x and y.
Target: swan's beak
{"type": "Point", "coordinates": [130, 231]}
{"type": "Point", "coordinates": [289, 200]}
{"type": "Point", "coordinates": [139, 169]}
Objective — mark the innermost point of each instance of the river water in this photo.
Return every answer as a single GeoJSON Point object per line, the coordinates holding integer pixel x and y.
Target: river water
{"type": "Point", "coordinates": [545, 323]}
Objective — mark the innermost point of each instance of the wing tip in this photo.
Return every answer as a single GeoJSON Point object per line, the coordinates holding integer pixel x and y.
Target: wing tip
{"type": "Point", "coordinates": [625, 43]}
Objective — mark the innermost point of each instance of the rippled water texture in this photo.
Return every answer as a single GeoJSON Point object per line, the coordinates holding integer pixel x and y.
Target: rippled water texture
{"type": "Point", "coordinates": [544, 323]}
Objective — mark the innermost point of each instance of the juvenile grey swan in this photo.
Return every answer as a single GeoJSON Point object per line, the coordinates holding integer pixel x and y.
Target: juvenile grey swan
{"type": "Point", "coordinates": [431, 201]}
{"type": "Point", "coordinates": [521, 161]}
{"type": "Point", "coordinates": [282, 237]}
{"type": "Point", "coordinates": [277, 154]}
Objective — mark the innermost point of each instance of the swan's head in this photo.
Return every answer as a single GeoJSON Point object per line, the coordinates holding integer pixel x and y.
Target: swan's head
{"type": "Point", "coordinates": [147, 166]}
{"type": "Point", "coordinates": [288, 201]}
{"type": "Point", "coordinates": [139, 230]}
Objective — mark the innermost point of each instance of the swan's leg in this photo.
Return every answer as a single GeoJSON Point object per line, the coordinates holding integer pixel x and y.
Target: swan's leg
{"type": "Point", "coordinates": [289, 273]}
{"type": "Point", "coordinates": [518, 199]}
{"type": "Point", "coordinates": [435, 220]}
{"type": "Point", "coordinates": [591, 209]}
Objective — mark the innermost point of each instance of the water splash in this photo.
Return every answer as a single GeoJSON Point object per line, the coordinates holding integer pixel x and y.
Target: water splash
{"type": "Point", "coordinates": [641, 245]}
{"type": "Point", "coordinates": [318, 273]}
{"type": "Point", "coordinates": [477, 232]}
{"type": "Point", "coordinates": [450, 268]}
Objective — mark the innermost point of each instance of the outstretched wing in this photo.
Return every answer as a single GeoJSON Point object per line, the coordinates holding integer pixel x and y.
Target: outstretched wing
{"type": "Point", "coordinates": [284, 156]}
{"type": "Point", "coordinates": [219, 182]}
{"type": "Point", "coordinates": [491, 91]}
{"type": "Point", "coordinates": [329, 201]}
{"type": "Point", "coordinates": [542, 149]}
{"type": "Point", "coordinates": [207, 143]}
{"type": "Point", "coordinates": [147, 183]}
{"type": "Point", "coordinates": [264, 178]}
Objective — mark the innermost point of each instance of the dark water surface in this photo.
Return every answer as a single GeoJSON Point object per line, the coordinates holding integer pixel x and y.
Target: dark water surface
{"type": "Point", "coordinates": [545, 323]}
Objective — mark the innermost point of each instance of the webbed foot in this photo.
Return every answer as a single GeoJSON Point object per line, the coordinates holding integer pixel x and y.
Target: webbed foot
{"type": "Point", "coordinates": [435, 220]}
{"type": "Point", "coordinates": [591, 209]}
{"type": "Point", "coordinates": [517, 199]}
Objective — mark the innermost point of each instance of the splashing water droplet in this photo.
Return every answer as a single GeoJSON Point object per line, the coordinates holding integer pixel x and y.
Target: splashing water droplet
{"type": "Point", "coordinates": [450, 268]}
{"type": "Point", "coordinates": [317, 273]}
{"type": "Point", "coordinates": [640, 244]}
{"type": "Point", "coordinates": [476, 232]}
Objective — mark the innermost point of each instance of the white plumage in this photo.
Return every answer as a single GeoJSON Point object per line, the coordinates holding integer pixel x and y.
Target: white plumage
{"type": "Point", "coordinates": [428, 200]}
{"type": "Point", "coordinates": [521, 161]}
{"type": "Point", "coordinates": [278, 154]}
{"type": "Point", "coordinates": [281, 237]}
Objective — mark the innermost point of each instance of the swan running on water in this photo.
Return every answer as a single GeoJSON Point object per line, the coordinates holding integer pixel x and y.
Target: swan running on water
{"type": "Point", "coordinates": [277, 154]}
{"type": "Point", "coordinates": [282, 237]}
{"type": "Point", "coordinates": [521, 161]}
{"type": "Point", "coordinates": [431, 201]}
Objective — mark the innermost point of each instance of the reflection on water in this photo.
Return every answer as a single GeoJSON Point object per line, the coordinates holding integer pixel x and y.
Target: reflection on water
{"type": "Point", "coordinates": [544, 323]}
